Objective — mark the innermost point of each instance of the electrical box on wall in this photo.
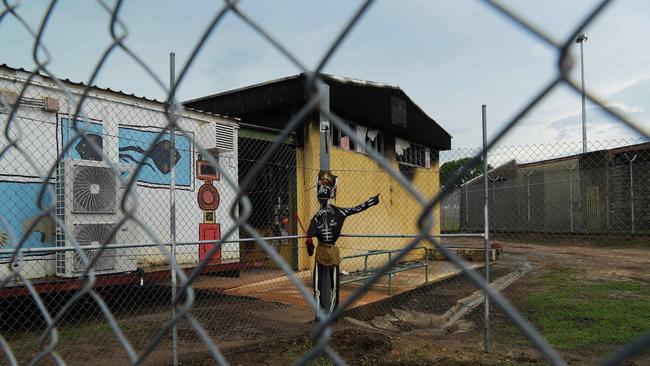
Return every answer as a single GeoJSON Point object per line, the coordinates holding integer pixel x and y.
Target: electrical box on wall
{"type": "Point", "coordinates": [50, 104]}
{"type": "Point", "coordinates": [9, 97]}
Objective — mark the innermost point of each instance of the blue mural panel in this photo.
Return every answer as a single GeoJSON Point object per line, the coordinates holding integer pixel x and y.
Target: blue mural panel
{"type": "Point", "coordinates": [134, 144]}
{"type": "Point", "coordinates": [19, 209]}
{"type": "Point", "coordinates": [81, 149]}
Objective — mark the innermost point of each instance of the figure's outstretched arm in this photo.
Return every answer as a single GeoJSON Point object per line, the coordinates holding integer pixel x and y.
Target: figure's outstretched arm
{"type": "Point", "coordinates": [372, 201]}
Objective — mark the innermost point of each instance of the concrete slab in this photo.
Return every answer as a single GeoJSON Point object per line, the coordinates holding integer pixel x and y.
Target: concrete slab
{"type": "Point", "coordinates": [281, 289]}
{"type": "Point", "coordinates": [246, 277]}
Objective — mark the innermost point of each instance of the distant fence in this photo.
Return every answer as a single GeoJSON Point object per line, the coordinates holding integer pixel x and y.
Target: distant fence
{"type": "Point", "coordinates": [602, 191]}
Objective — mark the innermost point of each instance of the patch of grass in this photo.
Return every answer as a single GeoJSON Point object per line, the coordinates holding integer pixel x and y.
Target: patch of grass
{"type": "Point", "coordinates": [68, 335]}
{"type": "Point", "coordinates": [629, 242]}
{"type": "Point", "coordinates": [601, 241]}
{"type": "Point", "coordinates": [295, 353]}
{"type": "Point", "coordinates": [100, 331]}
{"type": "Point", "coordinates": [573, 314]}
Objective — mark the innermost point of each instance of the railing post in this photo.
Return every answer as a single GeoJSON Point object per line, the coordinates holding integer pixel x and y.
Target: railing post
{"type": "Point", "coordinates": [365, 264]}
{"type": "Point", "coordinates": [426, 265]}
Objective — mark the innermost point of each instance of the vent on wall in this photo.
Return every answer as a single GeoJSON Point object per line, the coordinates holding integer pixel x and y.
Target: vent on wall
{"type": "Point", "coordinates": [225, 138]}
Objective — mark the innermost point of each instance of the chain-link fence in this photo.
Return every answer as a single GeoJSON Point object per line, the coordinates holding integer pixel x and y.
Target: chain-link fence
{"type": "Point", "coordinates": [136, 231]}
{"type": "Point", "coordinates": [554, 190]}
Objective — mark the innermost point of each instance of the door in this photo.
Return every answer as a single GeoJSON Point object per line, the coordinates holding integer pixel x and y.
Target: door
{"type": "Point", "coordinates": [593, 208]}
{"type": "Point", "coordinates": [272, 195]}
{"type": "Point", "coordinates": [209, 232]}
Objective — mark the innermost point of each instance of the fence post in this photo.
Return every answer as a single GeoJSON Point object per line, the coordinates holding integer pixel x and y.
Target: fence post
{"type": "Point", "coordinates": [442, 214]}
{"type": "Point", "coordinates": [571, 196]}
{"type": "Point", "coordinates": [486, 235]}
{"type": "Point", "coordinates": [528, 194]}
{"type": "Point", "coordinates": [172, 200]}
{"type": "Point", "coordinates": [466, 188]}
{"type": "Point", "coordinates": [324, 127]}
{"type": "Point", "coordinates": [494, 181]}
{"type": "Point", "coordinates": [631, 189]}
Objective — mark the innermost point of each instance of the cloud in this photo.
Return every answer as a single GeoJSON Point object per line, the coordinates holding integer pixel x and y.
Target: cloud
{"type": "Point", "coordinates": [631, 101]}
{"type": "Point", "coordinates": [635, 95]}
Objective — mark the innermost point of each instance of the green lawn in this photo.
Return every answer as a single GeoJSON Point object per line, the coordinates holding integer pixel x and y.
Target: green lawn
{"type": "Point", "coordinates": [577, 314]}
{"type": "Point", "coordinates": [27, 344]}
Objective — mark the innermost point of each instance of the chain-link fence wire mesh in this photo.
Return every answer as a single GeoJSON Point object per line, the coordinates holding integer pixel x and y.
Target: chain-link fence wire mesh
{"type": "Point", "coordinates": [244, 289]}
{"type": "Point", "coordinates": [554, 191]}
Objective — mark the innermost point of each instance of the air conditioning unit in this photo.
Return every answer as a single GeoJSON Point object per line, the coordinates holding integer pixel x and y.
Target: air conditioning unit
{"type": "Point", "coordinates": [88, 195]}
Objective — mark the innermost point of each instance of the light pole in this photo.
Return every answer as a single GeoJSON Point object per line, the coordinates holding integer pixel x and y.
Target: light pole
{"type": "Point", "coordinates": [582, 39]}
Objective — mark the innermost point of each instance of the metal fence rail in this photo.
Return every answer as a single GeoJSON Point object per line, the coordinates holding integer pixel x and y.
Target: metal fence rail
{"type": "Point", "coordinates": [118, 266]}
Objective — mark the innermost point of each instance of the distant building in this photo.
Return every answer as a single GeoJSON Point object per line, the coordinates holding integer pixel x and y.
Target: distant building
{"type": "Point", "coordinates": [382, 115]}
{"type": "Point", "coordinates": [599, 191]}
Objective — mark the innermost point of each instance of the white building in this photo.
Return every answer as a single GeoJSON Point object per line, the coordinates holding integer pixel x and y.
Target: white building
{"type": "Point", "coordinates": [84, 192]}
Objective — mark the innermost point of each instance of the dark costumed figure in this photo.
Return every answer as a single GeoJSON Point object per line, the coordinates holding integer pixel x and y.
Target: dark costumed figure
{"type": "Point", "coordinates": [326, 226]}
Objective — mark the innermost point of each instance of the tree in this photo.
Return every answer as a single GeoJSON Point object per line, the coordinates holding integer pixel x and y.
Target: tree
{"type": "Point", "coordinates": [450, 168]}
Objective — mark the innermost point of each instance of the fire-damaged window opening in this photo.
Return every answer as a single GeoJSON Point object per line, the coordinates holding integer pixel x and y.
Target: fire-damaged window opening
{"type": "Point", "coordinates": [373, 138]}
{"type": "Point", "coordinates": [411, 154]}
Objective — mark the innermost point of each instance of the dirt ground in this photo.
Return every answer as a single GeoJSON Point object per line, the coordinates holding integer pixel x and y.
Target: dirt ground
{"type": "Point", "coordinates": [253, 332]}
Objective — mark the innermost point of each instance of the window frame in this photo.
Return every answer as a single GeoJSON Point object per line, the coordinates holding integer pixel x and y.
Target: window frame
{"type": "Point", "coordinates": [415, 156]}
{"type": "Point", "coordinates": [336, 135]}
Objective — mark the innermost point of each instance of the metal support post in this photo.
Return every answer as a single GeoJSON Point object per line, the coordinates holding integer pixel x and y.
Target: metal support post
{"type": "Point", "coordinates": [632, 190]}
{"type": "Point", "coordinates": [528, 193]}
{"type": "Point", "coordinates": [571, 196]}
{"type": "Point", "coordinates": [494, 181]}
{"type": "Point", "coordinates": [172, 200]}
{"type": "Point", "coordinates": [486, 235]}
{"type": "Point", "coordinates": [466, 188]}
{"type": "Point", "coordinates": [324, 91]}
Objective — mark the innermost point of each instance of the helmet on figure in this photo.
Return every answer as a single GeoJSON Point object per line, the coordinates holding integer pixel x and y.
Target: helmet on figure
{"type": "Point", "coordinates": [326, 186]}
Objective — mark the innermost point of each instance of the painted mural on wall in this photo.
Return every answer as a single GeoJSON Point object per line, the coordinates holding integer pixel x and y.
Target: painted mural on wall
{"type": "Point", "coordinates": [19, 198]}
{"type": "Point", "coordinates": [19, 207]}
{"type": "Point", "coordinates": [134, 143]}
{"type": "Point", "coordinates": [19, 195]}
{"type": "Point", "coordinates": [81, 148]}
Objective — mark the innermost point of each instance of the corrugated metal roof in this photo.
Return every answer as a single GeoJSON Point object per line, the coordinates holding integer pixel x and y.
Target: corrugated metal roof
{"type": "Point", "coordinates": [349, 80]}
{"type": "Point", "coordinates": [77, 83]}
{"type": "Point", "coordinates": [109, 90]}
{"type": "Point", "coordinates": [367, 103]}
{"type": "Point", "coordinates": [340, 79]}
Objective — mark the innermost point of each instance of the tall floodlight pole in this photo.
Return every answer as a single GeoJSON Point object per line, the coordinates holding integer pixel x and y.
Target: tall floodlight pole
{"type": "Point", "coordinates": [582, 39]}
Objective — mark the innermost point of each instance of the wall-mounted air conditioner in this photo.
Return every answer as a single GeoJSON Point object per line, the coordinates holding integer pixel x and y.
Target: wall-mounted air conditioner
{"type": "Point", "coordinates": [88, 196]}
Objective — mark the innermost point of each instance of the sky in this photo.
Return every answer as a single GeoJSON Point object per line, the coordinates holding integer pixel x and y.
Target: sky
{"type": "Point", "coordinates": [450, 57]}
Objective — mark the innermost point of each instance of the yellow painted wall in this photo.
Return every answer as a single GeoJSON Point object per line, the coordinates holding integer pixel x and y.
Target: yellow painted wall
{"type": "Point", "coordinates": [359, 179]}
